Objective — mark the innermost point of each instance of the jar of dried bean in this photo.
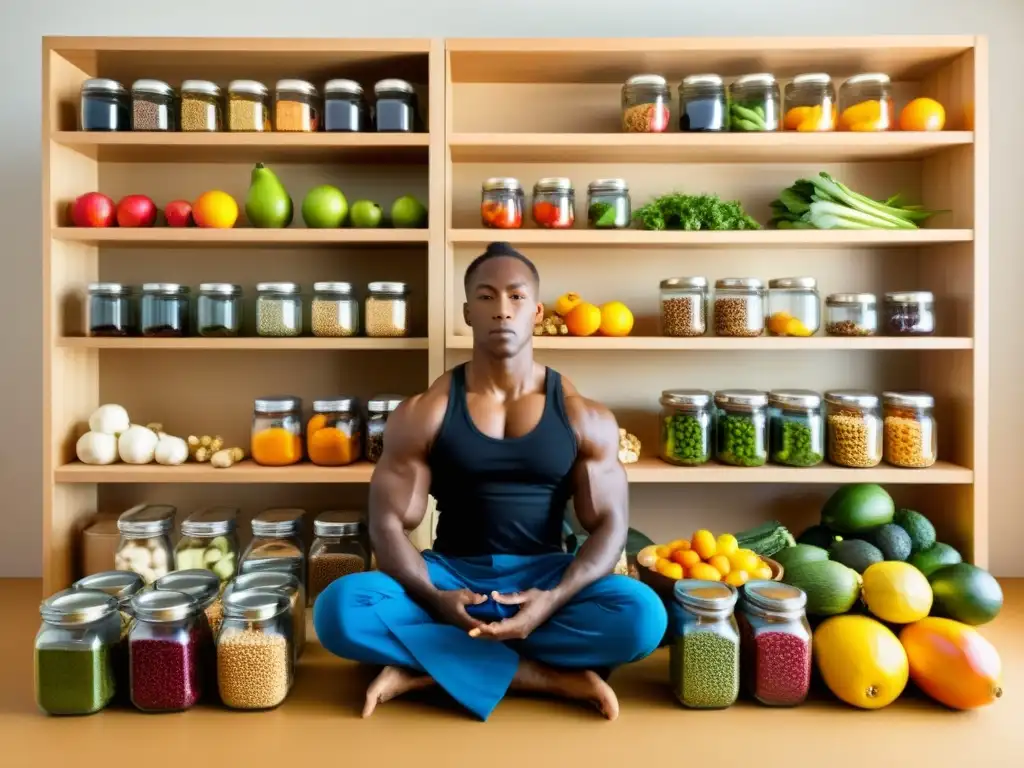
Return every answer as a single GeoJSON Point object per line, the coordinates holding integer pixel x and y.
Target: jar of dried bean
{"type": "Point", "coordinates": [865, 103]}
{"type": "Point", "coordinates": [754, 103]}
{"type": "Point", "coordinates": [387, 309]}
{"type": "Point", "coordinates": [910, 433]}
{"type": "Point", "coordinates": [276, 439]}
{"type": "Point", "coordinates": [775, 643]}
{"type": "Point", "coordinates": [608, 204]}
{"type": "Point", "coordinates": [296, 106]}
{"type": "Point", "coordinates": [334, 435]}
{"type": "Point", "coordinates": [248, 106]}
{"type": "Point", "coordinates": [645, 104]}
{"type": "Point", "coordinates": [378, 409]}
{"type": "Point", "coordinates": [851, 314]}
{"type": "Point", "coordinates": [165, 309]}
{"type": "Point", "coordinates": [145, 544]}
{"type": "Point", "coordinates": [854, 428]}
{"type": "Point", "coordinates": [111, 310]}
{"type": "Point", "coordinates": [219, 309]}
{"type": "Point", "coordinates": [554, 203]}
{"type": "Point", "coordinates": [684, 306]}
{"type": "Point", "coordinates": [686, 424]}
{"type": "Point", "coordinates": [338, 549]}
{"type": "Point", "coordinates": [209, 540]}
{"type": "Point", "coordinates": [796, 427]}
{"type": "Point", "coordinates": [396, 108]}
{"type": "Point", "coordinates": [286, 584]}
{"type": "Point", "coordinates": [741, 427]}
{"type": "Point", "coordinates": [255, 650]}
{"type": "Point", "coordinates": [910, 313]}
{"type": "Point", "coordinates": [104, 105]}
{"type": "Point", "coordinates": [122, 586]}
{"type": "Point", "coordinates": [278, 309]}
{"type": "Point", "coordinates": [335, 310]}
{"type": "Point", "coordinates": [704, 657]}
{"type": "Point", "coordinates": [794, 306]}
{"type": "Point", "coordinates": [502, 203]}
{"type": "Point", "coordinates": [344, 107]}
{"type": "Point", "coordinates": [203, 586]}
{"type": "Point", "coordinates": [739, 306]}
{"type": "Point", "coordinates": [165, 651]}
{"type": "Point", "coordinates": [154, 106]}
{"type": "Point", "coordinates": [201, 106]}
{"type": "Point", "coordinates": [810, 103]}
{"type": "Point", "coordinates": [703, 106]}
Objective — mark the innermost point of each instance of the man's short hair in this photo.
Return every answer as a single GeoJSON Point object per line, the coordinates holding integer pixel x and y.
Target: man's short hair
{"type": "Point", "coordinates": [494, 251]}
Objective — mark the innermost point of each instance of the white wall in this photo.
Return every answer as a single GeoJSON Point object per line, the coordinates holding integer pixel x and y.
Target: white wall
{"type": "Point", "coordinates": [22, 26]}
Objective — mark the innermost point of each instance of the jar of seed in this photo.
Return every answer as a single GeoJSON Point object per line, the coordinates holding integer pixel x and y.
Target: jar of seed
{"type": "Point", "coordinates": [810, 103]}
{"type": "Point", "coordinates": [739, 306]}
{"type": "Point", "coordinates": [219, 309]}
{"type": "Point", "coordinates": [278, 309]}
{"type": "Point", "coordinates": [796, 427]}
{"type": "Point", "coordinates": [165, 651]}
{"type": "Point", "coordinates": [111, 310]}
{"type": "Point", "coordinates": [794, 306]}
{"type": "Point", "coordinates": [288, 586]}
{"type": "Point", "coordinates": [910, 313]}
{"type": "Point", "coordinates": [854, 428]}
{"type": "Point", "coordinates": [645, 104]}
{"type": "Point", "coordinates": [378, 410]}
{"type": "Point", "coordinates": [704, 657]}
{"type": "Point", "coordinates": [754, 103]}
{"type": "Point", "coordinates": [145, 543]}
{"type": "Point", "coordinates": [255, 650]}
{"type": "Point", "coordinates": [276, 439]}
{"type": "Point", "coordinates": [741, 427]}
{"type": "Point", "coordinates": [395, 109]}
{"type": "Point", "coordinates": [703, 106]}
{"type": "Point", "coordinates": [296, 106]}
{"type": "Point", "coordinates": [334, 434]}
{"type": "Point", "coordinates": [335, 310]}
{"type": "Point", "coordinates": [248, 106]}
{"type": "Point", "coordinates": [851, 314]}
{"type": "Point", "coordinates": [104, 105]}
{"type": "Point", "coordinates": [554, 203]}
{"type": "Point", "coordinates": [775, 643]}
{"type": "Point", "coordinates": [344, 107]}
{"type": "Point", "coordinates": [201, 108]}
{"type": "Point", "coordinates": [338, 549]}
{"type": "Point", "coordinates": [910, 433]}
{"type": "Point", "coordinates": [154, 106]}
{"type": "Point", "coordinates": [684, 306]}
{"type": "Point", "coordinates": [387, 309]}
{"type": "Point", "coordinates": [686, 421]}
{"type": "Point", "coordinates": [608, 204]}
{"type": "Point", "coordinates": [165, 309]}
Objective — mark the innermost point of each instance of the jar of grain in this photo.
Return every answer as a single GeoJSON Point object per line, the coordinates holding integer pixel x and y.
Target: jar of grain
{"type": "Point", "coordinates": [851, 314]}
{"type": "Point", "coordinates": [387, 309]}
{"type": "Point", "coordinates": [910, 433]}
{"type": "Point", "coordinates": [554, 203]}
{"type": "Point", "coordinates": [702, 104]}
{"type": "Point", "coordinates": [608, 204]}
{"type": "Point", "coordinates": [741, 427]}
{"type": "Point", "coordinates": [285, 584]}
{"type": "Point", "coordinates": [165, 309]}
{"type": "Point", "coordinates": [810, 103]}
{"type": "Point", "coordinates": [854, 428]}
{"type": "Point", "coordinates": [395, 109]}
{"type": "Point", "coordinates": [378, 410]}
{"type": "Point", "coordinates": [219, 309]}
{"type": "Point", "coordinates": [209, 540]}
{"type": "Point", "coordinates": [335, 310]}
{"type": "Point", "coordinates": [739, 306]}
{"type": "Point", "coordinates": [201, 108]}
{"type": "Point", "coordinates": [686, 419]}
{"type": "Point", "coordinates": [754, 103]}
{"type": "Point", "coordinates": [645, 104]}
{"type": "Point", "coordinates": [796, 427]}
{"type": "Point", "coordinates": [255, 651]}
{"type": "Point", "coordinates": [154, 106]}
{"type": "Point", "coordinates": [278, 309]}
{"type": "Point", "coordinates": [910, 313]}
{"type": "Point", "coordinates": [111, 310]}
{"type": "Point", "coordinates": [344, 107]}
{"type": "Point", "coordinates": [684, 306]}
{"type": "Point", "coordinates": [704, 655]}
{"type": "Point", "coordinates": [502, 203]}
{"type": "Point", "coordinates": [104, 105]}
{"type": "Point", "coordinates": [276, 439]}
{"type": "Point", "coordinates": [794, 306]}
{"type": "Point", "coordinates": [165, 652]}
{"type": "Point", "coordinates": [296, 106]}
{"type": "Point", "coordinates": [334, 435]}
{"type": "Point", "coordinates": [248, 106]}
{"type": "Point", "coordinates": [775, 641]}
{"type": "Point", "coordinates": [338, 549]}
{"type": "Point", "coordinates": [145, 544]}
{"type": "Point", "coordinates": [865, 103]}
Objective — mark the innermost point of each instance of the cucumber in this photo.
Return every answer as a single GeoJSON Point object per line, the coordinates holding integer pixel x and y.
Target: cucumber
{"type": "Point", "coordinates": [766, 539]}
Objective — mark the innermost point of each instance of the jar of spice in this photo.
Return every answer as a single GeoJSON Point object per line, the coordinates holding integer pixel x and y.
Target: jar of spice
{"type": "Point", "coordinates": [378, 409]}
{"type": "Point", "coordinates": [502, 203]}
{"type": "Point", "coordinates": [74, 652]}
{"type": "Point", "coordinates": [338, 549]}
{"type": "Point", "coordinates": [387, 309]}
{"type": "Point", "coordinates": [684, 306]}
{"type": "Point", "coordinates": [219, 309]}
{"type": "Point", "coordinates": [285, 584]}
{"type": "Point", "coordinates": [104, 105]}
{"type": "Point", "coordinates": [276, 544]}
{"type": "Point", "coordinates": [122, 586]}
{"type": "Point", "coordinates": [201, 108]}
{"type": "Point", "coordinates": [775, 642]}
{"type": "Point", "coordinates": [704, 657]}
{"type": "Point", "coordinates": [248, 106]}
{"type": "Point", "coordinates": [810, 103]}
{"type": "Point", "coordinates": [111, 310]}
{"type": "Point", "coordinates": [754, 103]}
{"type": "Point", "coordinates": [851, 314]}
{"type": "Point", "coordinates": [153, 106]}
{"type": "Point", "coordinates": [686, 420]}
{"type": "Point", "coordinates": [145, 545]}
{"type": "Point", "coordinates": [865, 103]}
{"type": "Point", "coordinates": [910, 431]}
{"type": "Point", "coordinates": [854, 428]}
{"type": "Point", "coordinates": [165, 310]}
{"type": "Point", "coordinates": [296, 107]}
{"type": "Point", "coordinates": [554, 203]}
{"type": "Point", "coordinates": [645, 104]}
{"type": "Point", "coordinates": [334, 435]}
{"type": "Point", "coordinates": [278, 309]}
{"type": "Point", "coordinates": [276, 431]}
{"type": "Point", "coordinates": [203, 587]}
{"type": "Point", "coordinates": [608, 204]}
{"type": "Point", "coordinates": [794, 306]}
{"type": "Point", "coordinates": [396, 108]}
{"type": "Point", "coordinates": [209, 539]}
{"type": "Point", "coordinates": [797, 427]}
{"type": "Point", "coordinates": [255, 650]}
{"type": "Point", "coordinates": [165, 651]}
{"type": "Point", "coordinates": [702, 104]}
{"type": "Point", "coordinates": [910, 313]}
{"type": "Point", "coordinates": [344, 108]}
{"type": "Point", "coordinates": [739, 306]}
{"type": "Point", "coordinates": [741, 425]}
{"type": "Point", "coordinates": [335, 310]}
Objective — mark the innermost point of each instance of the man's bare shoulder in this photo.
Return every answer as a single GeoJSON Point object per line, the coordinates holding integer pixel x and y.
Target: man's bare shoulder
{"type": "Point", "coordinates": [592, 420]}
{"type": "Point", "coordinates": [421, 415]}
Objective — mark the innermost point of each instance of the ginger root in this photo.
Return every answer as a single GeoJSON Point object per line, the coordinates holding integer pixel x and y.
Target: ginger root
{"type": "Point", "coordinates": [629, 447]}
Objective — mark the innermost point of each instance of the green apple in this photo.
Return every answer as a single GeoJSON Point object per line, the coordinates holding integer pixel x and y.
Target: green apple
{"type": "Point", "coordinates": [408, 213]}
{"type": "Point", "coordinates": [324, 208]}
{"type": "Point", "coordinates": [366, 214]}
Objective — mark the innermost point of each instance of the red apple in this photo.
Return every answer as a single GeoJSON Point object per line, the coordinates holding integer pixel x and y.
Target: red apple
{"type": "Point", "coordinates": [93, 210]}
{"type": "Point", "coordinates": [136, 211]}
{"type": "Point", "coordinates": [179, 213]}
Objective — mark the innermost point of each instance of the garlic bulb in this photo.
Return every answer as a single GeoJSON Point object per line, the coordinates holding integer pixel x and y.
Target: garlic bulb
{"type": "Point", "coordinates": [96, 448]}
{"type": "Point", "coordinates": [137, 445]}
{"type": "Point", "coordinates": [109, 419]}
{"type": "Point", "coordinates": [171, 450]}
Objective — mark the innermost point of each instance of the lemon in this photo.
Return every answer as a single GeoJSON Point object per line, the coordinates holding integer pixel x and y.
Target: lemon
{"type": "Point", "coordinates": [896, 592]}
{"type": "Point", "coordinates": [861, 661]}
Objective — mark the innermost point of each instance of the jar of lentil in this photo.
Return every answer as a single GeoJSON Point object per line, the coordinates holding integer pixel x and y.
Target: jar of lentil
{"type": "Point", "coordinates": [754, 103]}
{"type": "Point", "coordinates": [122, 586]}
{"type": "Point", "coordinates": [203, 586]}
{"type": "Point", "coordinates": [154, 106]}
{"type": "Point", "coordinates": [278, 309]}
{"type": "Point", "coordinates": [865, 103]}
{"type": "Point", "coordinates": [276, 431]}
{"type": "Point", "coordinates": [255, 650]}
{"type": "Point", "coordinates": [344, 107]}
{"type": "Point", "coordinates": [209, 539]}
{"type": "Point", "coordinates": [334, 435]}
{"type": "Point", "coordinates": [741, 427]}
{"type": "Point", "coordinates": [248, 106]}
{"type": "Point", "coordinates": [145, 544]}
{"type": "Point", "coordinates": [704, 657]}
{"type": "Point", "coordinates": [810, 103]}
{"type": "Point", "coordinates": [608, 204]}
{"type": "Point", "coordinates": [851, 314]}
{"type": "Point", "coordinates": [219, 309]}
{"type": "Point", "coordinates": [335, 310]}
{"type": "Point", "coordinates": [796, 427]}
{"type": "Point", "coordinates": [165, 651]}
{"type": "Point", "coordinates": [739, 307]}
{"type": "Point", "coordinates": [338, 549]}
{"type": "Point", "coordinates": [276, 544]}
{"type": "Point", "coordinates": [111, 310]}
{"type": "Point", "coordinates": [201, 106]}
{"type": "Point", "coordinates": [396, 107]}
{"type": "Point", "coordinates": [165, 310]}
{"type": "Point", "coordinates": [910, 313]}
{"type": "Point", "coordinates": [775, 643]}
{"type": "Point", "coordinates": [794, 306]}
{"type": "Point", "coordinates": [703, 106]}
{"type": "Point", "coordinates": [296, 107]}
{"type": "Point", "coordinates": [387, 309]}
{"type": "Point", "coordinates": [686, 421]}
{"type": "Point", "coordinates": [554, 203]}
{"type": "Point", "coordinates": [284, 584]}
{"type": "Point", "coordinates": [854, 428]}
{"type": "Point", "coordinates": [684, 306]}
{"type": "Point", "coordinates": [104, 105]}
{"type": "Point", "coordinates": [645, 104]}
{"type": "Point", "coordinates": [502, 203]}
{"type": "Point", "coordinates": [910, 431]}
{"type": "Point", "coordinates": [378, 409]}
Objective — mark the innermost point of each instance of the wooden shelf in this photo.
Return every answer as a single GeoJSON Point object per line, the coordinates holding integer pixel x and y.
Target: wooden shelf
{"type": "Point", "coordinates": [243, 472]}
{"type": "Point", "coordinates": [196, 343]}
{"type": "Point", "coordinates": [721, 343]}
{"type": "Point", "coordinates": [196, 237]}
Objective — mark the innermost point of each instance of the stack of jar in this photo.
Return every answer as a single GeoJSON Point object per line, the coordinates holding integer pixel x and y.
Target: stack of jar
{"type": "Point", "coordinates": [503, 203]}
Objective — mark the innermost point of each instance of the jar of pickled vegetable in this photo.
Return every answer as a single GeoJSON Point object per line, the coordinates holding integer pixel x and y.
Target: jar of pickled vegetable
{"type": "Point", "coordinates": [741, 427]}
{"type": "Point", "coordinates": [810, 103]}
{"type": "Point", "coordinates": [703, 106]}
{"type": "Point", "coordinates": [704, 657]}
{"type": "Point", "coordinates": [248, 106]}
{"type": "Point", "coordinates": [554, 203]}
{"type": "Point", "coordinates": [796, 427]}
{"type": "Point", "coordinates": [645, 104]}
{"type": "Point", "coordinates": [851, 314]}
{"type": "Point", "coordinates": [378, 408]}
{"type": "Point", "coordinates": [608, 204]}
{"type": "Point", "coordinates": [794, 306]}
{"type": "Point", "coordinates": [277, 431]}
{"type": "Point", "coordinates": [754, 103]}
{"type": "Point", "coordinates": [502, 203]}
{"type": "Point", "coordinates": [209, 540]}
{"type": "Point", "coordinates": [775, 643]}
{"type": "Point", "coordinates": [334, 435]}
{"type": "Point", "coordinates": [686, 421]}
{"type": "Point", "coordinates": [854, 428]}
{"type": "Point", "coordinates": [910, 433]}
{"type": "Point", "coordinates": [865, 103]}
{"type": "Point", "coordinates": [684, 306]}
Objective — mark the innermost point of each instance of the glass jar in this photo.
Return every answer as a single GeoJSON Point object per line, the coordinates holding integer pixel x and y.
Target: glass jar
{"type": "Point", "coordinates": [276, 439]}
{"type": "Point", "coordinates": [248, 106]}
{"type": "Point", "coordinates": [775, 643]}
{"type": "Point", "coordinates": [739, 307]}
{"type": "Point", "coordinates": [122, 586]}
{"type": "Point", "coordinates": [165, 651]}
{"type": "Point", "coordinates": [910, 313]}
{"type": "Point", "coordinates": [165, 310]}
{"type": "Point", "coordinates": [278, 309]}
{"type": "Point", "coordinates": [145, 545]}
{"type": "Point", "coordinates": [851, 314]}
{"type": "Point", "coordinates": [296, 107]}
{"type": "Point", "coordinates": [608, 204]}
{"type": "Point", "coordinates": [810, 103]}
{"type": "Point", "coordinates": [704, 657]}
{"type": "Point", "coordinates": [502, 203]}
{"type": "Point", "coordinates": [754, 103]}
{"type": "Point", "coordinates": [396, 106]}
{"type": "Point", "coordinates": [910, 430]}
{"type": "Point", "coordinates": [338, 549]}
{"type": "Point", "coordinates": [796, 427]}
{"type": "Point", "coordinates": [111, 310]}
{"type": "Point", "coordinates": [104, 105]}
{"type": "Point", "coordinates": [74, 652]}
{"type": "Point", "coordinates": [285, 584]}
{"type": "Point", "coordinates": [684, 306]}
{"type": "Point", "coordinates": [276, 544]}
{"type": "Point", "coordinates": [554, 203]}
{"type": "Point", "coordinates": [219, 309]}
{"type": "Point", "coordinates": [686, 426]}
{"type": "Point", "coordinates": [387, 309]}
{"type": "Point", "coordinates": [201, 108]}
{"type": "Point", "coordinates": [854, 429]}
{"type": "Point", "coordinates": [741, 426]}
{"type": "Point", "coordinates": [255, 651]}
{"type": "Point", "coordinates": [335, 310]}
{"type": "Point", "coordinates": [703, 106]}
{"type": "Point", "coordinates": [153, 106]}
{"type": "Point", "coordinates": [203, 587]}
{"type": "Point", "coordinates": [209, 540]}
{"type": "Point", "coordinates": [865, 103]}
{"type": "Point", "coordinates": [344, 107]}
{"type": "Point", "coordinates": [378, 410]}
{"type": "Point", "coordinates": [334, 435]}
{"type": "Point", "coordinates": [794, 306]}
{"type": "Point", "coordinates": [645, 104]}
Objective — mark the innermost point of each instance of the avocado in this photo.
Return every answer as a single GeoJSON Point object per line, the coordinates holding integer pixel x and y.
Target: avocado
{"type": "Point", "coordinates": [856, 554]}
{"type": "Point", "coordinates": [893, 541]}
{"type": "Point", "coordinates": [965, 593]}
{"type": "Point", "coordinates": [790, 557]}
{"type": "Point", "coordinates": [818, 536]}
{"type": "Point", "coordinates": [935, 557]}
{"type": "Point", "coordinates": [857, 508]}
{"type": "Point", "coordinates": [919, 528]}
{"type": "Point", "coordinates": [831, 587]}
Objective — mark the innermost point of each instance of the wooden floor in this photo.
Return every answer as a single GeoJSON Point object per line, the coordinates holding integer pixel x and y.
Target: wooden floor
{"type": "Point", "coordinates": [320, 720]}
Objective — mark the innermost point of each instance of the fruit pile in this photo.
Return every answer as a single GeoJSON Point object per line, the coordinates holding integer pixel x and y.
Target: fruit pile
{"type": "Point", "coordinates": [572, 316]}
{"type": "Point", "coordinates": [703, 556]}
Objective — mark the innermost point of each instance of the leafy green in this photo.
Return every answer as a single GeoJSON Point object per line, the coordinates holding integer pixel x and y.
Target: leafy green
{"type": "Point", "coordinates": [693, 212]}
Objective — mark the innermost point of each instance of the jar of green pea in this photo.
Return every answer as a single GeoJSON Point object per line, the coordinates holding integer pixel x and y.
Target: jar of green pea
{"type": "Point", "coordinates": [704, 655]}
{"type": "Point", "coordinates": [686, 426]}
{"type": "Point", "coordinates": [741, 427]}
{"type": "Point", "coordinates": [796, 427]}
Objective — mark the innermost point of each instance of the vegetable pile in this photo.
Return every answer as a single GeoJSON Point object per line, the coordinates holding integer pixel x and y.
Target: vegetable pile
{"type": "Point", "coordinates": [676, 211]}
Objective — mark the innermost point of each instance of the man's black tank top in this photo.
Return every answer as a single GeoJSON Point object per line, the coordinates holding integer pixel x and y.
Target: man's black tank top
{"type": "Point", "coordinates": [502, 496]}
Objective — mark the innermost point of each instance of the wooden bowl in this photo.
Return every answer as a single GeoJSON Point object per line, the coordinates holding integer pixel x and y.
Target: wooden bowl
{"type": "Point", "coordinates": [664, 586]}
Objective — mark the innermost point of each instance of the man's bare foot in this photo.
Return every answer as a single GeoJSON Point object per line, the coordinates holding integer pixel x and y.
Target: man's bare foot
{"type": "Point", "coordinates": [582, 685]}
{"type": "Point", "coordinates": [392, 682]}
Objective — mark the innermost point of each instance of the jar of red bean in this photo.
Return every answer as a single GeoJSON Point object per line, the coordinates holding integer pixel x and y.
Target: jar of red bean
{"type": "Point", "coordinates": [775, 641]}
{"type": "Point", "coordinates": [165, 652]}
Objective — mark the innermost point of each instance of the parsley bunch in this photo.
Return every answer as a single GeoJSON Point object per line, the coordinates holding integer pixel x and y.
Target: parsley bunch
{"type": "Point", "coordinates": [693, 212]}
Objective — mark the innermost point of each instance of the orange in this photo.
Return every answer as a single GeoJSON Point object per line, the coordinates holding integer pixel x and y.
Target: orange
{"type": "Point", "coordinates": [744, 560]}
{"type": "Point", "coordinates": [686, 557]}
{"type": "Point", "coordinates": [663, 551]}
{"type": "Point", "coordinates": [923, 115]}
{"type": "Point", "coordinates": [565, 303]}
{"type": "Point", "coordinates": [583, 320]}
{"type": "Point", "coordinates": [952, 662]}
{"type": "Point", "coordinates": [616, 319]}
{"type": "Point", "coordinates": [679, 544]}
{"type": "Point", "coordinates": [737, 578]}
{"type": "Point", "coordinates": [704, 571]}
{"type": "Point", "coordinates": [671, 570]}
{"type": "Point", "coordinates": [215, 209]}
{"type": "Point", "coordinates": [720, 563]}
{"type": "Point", "coordinates": [703, 543]}
{"type": "Point", "coordinates": [726, 545]}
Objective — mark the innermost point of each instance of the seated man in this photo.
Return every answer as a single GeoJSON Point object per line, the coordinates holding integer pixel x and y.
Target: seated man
{"type": "Point", "coordinates": [502, 444]}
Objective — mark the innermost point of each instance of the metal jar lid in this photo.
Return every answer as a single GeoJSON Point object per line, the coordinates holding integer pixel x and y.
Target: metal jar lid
{"type": "Point", "coordinates": [210, 521]}
{"type": "Point", "coordinates": [646, 79]}
{"type": "Point", "coordinates": [75, 607]}
{"type": "Point", "coordinates": [160, 606]}
{"type": "Point", "coordinates": [695, 81]}
{"type": "Point", "coordinates": [774, 596]}
{"type": "Point", "coordinates": [757, 78]}
{"type": "Point", "coordinates": [338, 523]}
{"type": "Point", "coordinates": [255, 605]}
{"type": "Point", "coordinates": [553, 184]}
{"type": "Point", "coordinates": [813, 78]}
{"type": "Point", "coordinates": [109, 289]}
{"type": "Point", "coordinates": [705, 595]}
{"type": "Point", "coordinates": [498, 183]}
{"type": "Point", "coordinates": [850, 299]}
{"type": "Point", "coordinates": [147, 520]}
{"type": "Point", "coordinates": [341, 85]}
{"type": "Point", "coordinates": [207, 87]}
{"type": "Point", "coordinates": [167, 288]}
{"type": "Point", "coordinates": [910, 297]}
{"type": "Point", "coordinates": [121, 585]}
{"type": "Point", "coordinates": [388, 287]}
{"type": "Point", "coordinates": [793, 283]}
{"type": "Point", "coordinates": [298, 86]}
{"type": "Point", "coordinates": [276, 404]}
{"type": "Point", "coordinates": [286, 583]}
{"type": "Point", "coordinates": [857, 398]}
{"type": "Point", "coordinates": [608, 185]}
{"type": "Point", "coordinates": [342, 404]}
{"type": "Point", "coordinates": [279, 521]}
{"type": "Point", "coordinates": [384, 403]}
{"type": "Point", "coordinates": [333, 287]}
{"type": "Point", "coordinates": [391, 84]}
{"type": "Point", "coordinates": [879, 78]}
{"type": "Point", "coordinates": [201, 585]}
{"type": "Point", "coordinates": [254, 87]}
{"type": "Point", "coordinates": [693, 398]}
{"type": "Point", "coordinates": [739, 282]}
{"type": "Point", "coordinates": [684, 282]}
{"type": "Point", "coordinates": [158, 87]}
{"type": "Point", "coordinates": [288, 288]}
{"type": "Point", "coordinates": [102, 85]}
{"type": "Point", "coordinates": [750, 398]}
{"type": "Point", "coordinates": [908, 399]}
{"type": "Point", "coordinates": [221, 289]}
{"type": "Point", "coordinates": [800, 399]}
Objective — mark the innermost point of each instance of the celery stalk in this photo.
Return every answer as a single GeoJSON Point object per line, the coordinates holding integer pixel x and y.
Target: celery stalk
{"type": "Point", "coordinates": [825, 215]}
{"type": "Point", "coordinates": [859, 203]}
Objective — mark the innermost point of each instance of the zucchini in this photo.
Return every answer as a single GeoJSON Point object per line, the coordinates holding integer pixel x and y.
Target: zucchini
{"type": "Point", "coordinates": [766, 539]}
